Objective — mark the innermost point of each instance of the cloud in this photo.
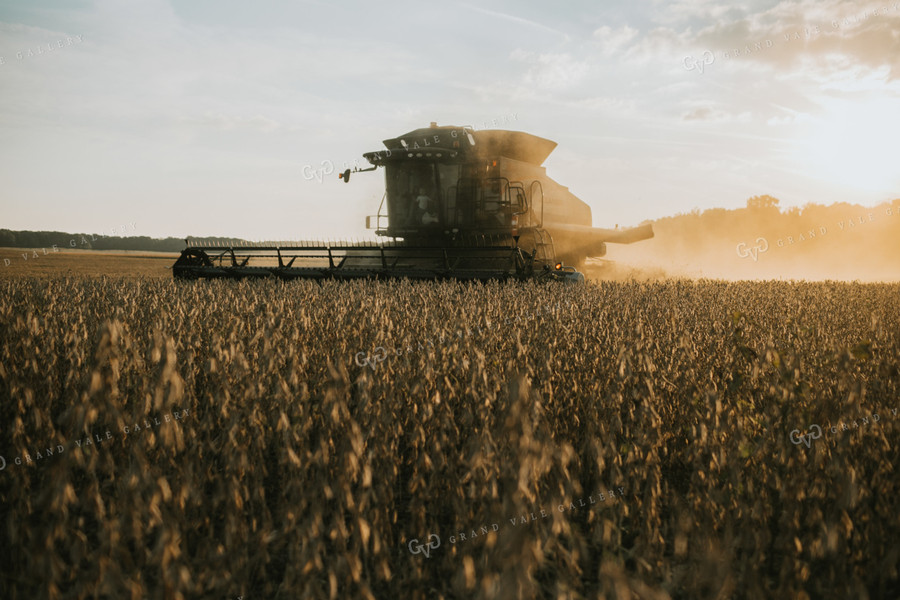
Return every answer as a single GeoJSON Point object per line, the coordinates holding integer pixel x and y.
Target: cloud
{"type": "Point", "coordinates": [703, 113]}
{"type": "Point", "coordinates": [612, 40]}
{"type": "Point", "coordinates": [659, 43]}
{"type": "Point", "coordinates": [715, 114]}
{"type": "Point", "coordinates": [819, 37]}
{"type": "Point", "coordinates": [692, 10]}
{"type": "Point", "coordinates": [551, 72]}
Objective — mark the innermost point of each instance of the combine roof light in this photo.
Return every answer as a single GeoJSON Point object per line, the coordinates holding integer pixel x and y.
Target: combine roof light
{"type": "Point", "coordinates": [559, 266]}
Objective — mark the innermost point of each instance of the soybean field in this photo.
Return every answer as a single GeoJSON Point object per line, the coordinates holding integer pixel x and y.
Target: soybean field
{"type": "Point", "coordinates": [267, 439]}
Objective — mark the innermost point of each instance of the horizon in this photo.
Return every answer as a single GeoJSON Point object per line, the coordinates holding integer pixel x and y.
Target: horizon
{"type": "Point", "coordinates": [130, 230]}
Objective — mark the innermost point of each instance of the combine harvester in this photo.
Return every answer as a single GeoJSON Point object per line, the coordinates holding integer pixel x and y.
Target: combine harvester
{"type": "Point", "coordinates": [458, 204]}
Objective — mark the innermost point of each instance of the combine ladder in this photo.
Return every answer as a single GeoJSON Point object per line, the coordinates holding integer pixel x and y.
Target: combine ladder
{"type": "Point", "coordinates": [543, 245]}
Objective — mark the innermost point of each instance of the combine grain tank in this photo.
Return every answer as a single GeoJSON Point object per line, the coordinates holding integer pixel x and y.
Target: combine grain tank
{"type": "Point", "coordinates": [458, 204]}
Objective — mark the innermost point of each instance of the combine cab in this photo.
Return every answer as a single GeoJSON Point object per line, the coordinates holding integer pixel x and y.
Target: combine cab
{"type": "Point", "coordinates": [458, 204]}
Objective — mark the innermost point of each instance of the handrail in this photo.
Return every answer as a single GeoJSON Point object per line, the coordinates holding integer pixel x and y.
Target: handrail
{"type": "Point", "coordinates": [540, 188]}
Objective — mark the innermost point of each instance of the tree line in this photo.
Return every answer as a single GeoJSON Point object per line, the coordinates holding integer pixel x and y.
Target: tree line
{"type": "Point", "coordinates": [91, 241]}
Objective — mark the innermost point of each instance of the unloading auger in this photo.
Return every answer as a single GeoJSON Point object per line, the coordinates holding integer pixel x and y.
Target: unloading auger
{"type": "Point", "coordinates": [458, 204]}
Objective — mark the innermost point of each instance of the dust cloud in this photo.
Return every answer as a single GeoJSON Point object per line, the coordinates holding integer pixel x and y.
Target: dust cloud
{"type": "Point", "coordinates": [841, 242]}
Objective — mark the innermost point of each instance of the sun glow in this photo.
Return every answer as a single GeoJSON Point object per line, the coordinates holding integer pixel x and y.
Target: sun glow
{"type": "Point", "coordinates": [855, 145]}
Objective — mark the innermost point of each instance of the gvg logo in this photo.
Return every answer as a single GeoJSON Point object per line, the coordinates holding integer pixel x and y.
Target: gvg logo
{"type": "Point", "coordinates": [371, 359]}
{"type": "Point", "coordinates": [815, 432]}
{"type": "Point", "coordinates": [318, 174]}
{"type": "Point", "coordinates": [327, 167]}
{"type": "Point", "coordinates": [690, 63]}
{"type": "Point", "coordinates": [762, 245]}
{"type": "Point", "coordinates": [434, 542]}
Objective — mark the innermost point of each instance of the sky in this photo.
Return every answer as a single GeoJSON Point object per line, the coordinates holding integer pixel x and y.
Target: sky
{"type": "Point", "coordinates": [196, 118]}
